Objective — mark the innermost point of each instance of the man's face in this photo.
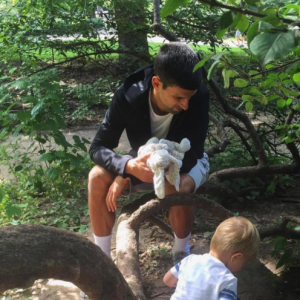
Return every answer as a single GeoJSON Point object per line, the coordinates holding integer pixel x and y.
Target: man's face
{"type": "Point", "coordinates": [172, 99]}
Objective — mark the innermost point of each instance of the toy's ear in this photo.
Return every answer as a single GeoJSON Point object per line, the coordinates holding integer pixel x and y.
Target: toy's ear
{"type": "Point", "coordinates": [185, 145]}
{"type": "Point", "coordinates": [153, 140]}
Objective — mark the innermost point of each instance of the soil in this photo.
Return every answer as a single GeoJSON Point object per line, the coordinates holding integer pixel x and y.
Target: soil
{"type": "Point", "coordinates": [258, 280]}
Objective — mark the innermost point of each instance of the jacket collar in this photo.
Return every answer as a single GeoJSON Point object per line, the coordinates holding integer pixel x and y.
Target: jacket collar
{"type": "Point", "coordinates": [137, 85]}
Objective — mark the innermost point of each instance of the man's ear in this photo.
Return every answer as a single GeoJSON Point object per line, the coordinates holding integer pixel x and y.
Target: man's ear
{"type": "Point", "coordinates": [156, 83]}
{"type": "Point", "coordinates": [236, 256]}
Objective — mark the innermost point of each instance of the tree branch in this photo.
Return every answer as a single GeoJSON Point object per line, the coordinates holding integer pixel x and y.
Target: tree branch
{"type": "Point", "coordinates": [222, 135]}
{"type": "Point", "coordinates": [58, 254]}
{"type": "Point", "coordinates": [241, 116]}
{"type": "Point", "coordinates": [110, 51]}
{"type": "Point", "coordinates": [214, 3]}
{"type": "Point", "coordinates": [187, 23]}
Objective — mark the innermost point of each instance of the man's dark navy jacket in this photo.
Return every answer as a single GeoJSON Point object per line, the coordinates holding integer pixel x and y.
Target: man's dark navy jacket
{"type": "Point", "coordinates": [129, 110]}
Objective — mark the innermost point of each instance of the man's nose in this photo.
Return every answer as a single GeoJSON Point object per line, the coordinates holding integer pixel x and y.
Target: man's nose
{"type": "Point", "coordinates": [184, 104]}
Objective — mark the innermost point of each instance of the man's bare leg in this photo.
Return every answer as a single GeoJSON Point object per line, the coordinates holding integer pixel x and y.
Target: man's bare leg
{"type": "Point", "coordinates": [98, 184]}
{"type": "Point", "coordinates": [181, 217]}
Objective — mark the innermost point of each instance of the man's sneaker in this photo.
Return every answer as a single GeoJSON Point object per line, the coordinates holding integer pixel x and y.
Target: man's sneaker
{"type": "Point", "coordinates": [179, 256]}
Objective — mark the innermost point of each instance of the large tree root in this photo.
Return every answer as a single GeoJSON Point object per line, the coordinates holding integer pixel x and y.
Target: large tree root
{"type": "Point", "coordinates": [30, 252]}
{"type": "Point", "coordinates": [128, 226]}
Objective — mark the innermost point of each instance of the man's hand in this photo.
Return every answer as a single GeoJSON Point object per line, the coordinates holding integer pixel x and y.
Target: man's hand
{"type": "Point", "coordinates": [115, 191]}
{"type": "Point", "coordinates": [138, 168]}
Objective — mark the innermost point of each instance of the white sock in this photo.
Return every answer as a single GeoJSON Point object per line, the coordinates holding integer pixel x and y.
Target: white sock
{"type": "Point", "coordinates": [181, 244]}
{"type": "Point", "coordinates": [104, 242]}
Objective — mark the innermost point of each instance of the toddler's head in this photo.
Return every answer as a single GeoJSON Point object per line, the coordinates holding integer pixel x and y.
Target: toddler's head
{"type": "Point", "coordinates": [235, 242]}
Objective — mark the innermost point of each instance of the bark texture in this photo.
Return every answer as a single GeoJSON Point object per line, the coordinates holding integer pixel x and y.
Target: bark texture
{"type": "Point", "coordinates": [30, 252]}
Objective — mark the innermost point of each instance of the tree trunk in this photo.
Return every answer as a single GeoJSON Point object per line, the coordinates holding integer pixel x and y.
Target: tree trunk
{"type": "Point", "coordinates": [30, 252]}
{"type": "Point", "coordinates": [131, 29]}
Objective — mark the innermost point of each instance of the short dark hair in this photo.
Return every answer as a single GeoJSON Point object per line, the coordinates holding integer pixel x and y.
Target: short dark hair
{"type": "Point", "coordinates": [174, 65]}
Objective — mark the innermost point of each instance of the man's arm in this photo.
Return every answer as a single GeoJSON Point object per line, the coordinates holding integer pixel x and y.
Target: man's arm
{"type": "Point", "coordinates": [108, 136]}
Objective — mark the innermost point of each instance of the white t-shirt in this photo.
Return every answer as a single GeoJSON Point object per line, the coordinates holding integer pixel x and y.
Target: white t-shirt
{"type": "Point", "coordinates": [203, 277]}
{"type": "Point", "coordinates": [159, 124]}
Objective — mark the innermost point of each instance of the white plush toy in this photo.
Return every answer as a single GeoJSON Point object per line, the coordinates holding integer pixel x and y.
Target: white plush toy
{"type": "Point", "coordinates": [165, 154]}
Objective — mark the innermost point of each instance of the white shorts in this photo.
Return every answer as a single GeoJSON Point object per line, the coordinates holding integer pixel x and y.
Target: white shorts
{"type": "Point", "coordinates": [199, 173]}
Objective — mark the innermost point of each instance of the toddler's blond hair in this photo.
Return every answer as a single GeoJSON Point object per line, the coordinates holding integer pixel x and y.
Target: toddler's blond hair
{"type": "Point", "coordinates": [236, 235]}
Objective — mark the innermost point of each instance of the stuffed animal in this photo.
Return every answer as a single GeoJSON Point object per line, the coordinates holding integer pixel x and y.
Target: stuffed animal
{"type": "Point", "coordinates": [165, 155]}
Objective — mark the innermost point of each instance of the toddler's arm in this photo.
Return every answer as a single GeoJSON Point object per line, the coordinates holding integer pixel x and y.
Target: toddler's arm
{"type": "Point", "coordinates": [170, 280]}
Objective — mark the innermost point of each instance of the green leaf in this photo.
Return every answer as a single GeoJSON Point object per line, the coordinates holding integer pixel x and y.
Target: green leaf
{"type": "Point", "coordinates": [52, 173]}
{"type": "Point", "coordinates": [30, 99]}
{"type": "Point", "coordinates": [171, 5]}
{"type": "Point", "coordinates": [60, 154]}
{"type": "Point", "coordinates": [36, 109]}
{"type": "Point", "coordinates": [272, 46]}
{"type": "Point", "coordinates": [2, 195]}
{"type": "Point", "coordinates": [219, 55]}
{"type": "Point", "coordinates": [240, 83]}
{"type": "Point", "coordinates": [243, 24]}
{"type": "Point", "coordinates": [249, 106]}
{"type": "Point", "coordinates": [227, 74]}
{"type": "Point", "coordinates": [236, 20]}
{"type": "Point", "coordinates": [247, 98]}
{"type": "Point", "coordinates": [212, 70]}
{"type": "Point", "coordinates": [252, 72]}
{"type": "Point", "coordinates": [12, 210]}
{"type": "Point", "coordinates": [281, 103]}
{"type": "Point", "coordinates": [262, 99]}
{"type": "Point", "coordinates": [21, 84]}
{"type": "Point", "coordinates": [288, 92]}
{"type": "Point", "coordinates": [24, 116]}
{"type": "Point", "coordinates": [251, 90]}
{"type": "Point", "coordinates": [18, 168]}
{"type": "Point", "coordinates": [273, 76]}
{"type": "Point", "coordinates": [220, 33]}
{"type": "Point", "coordinates": [202, 62]}
{"type": "Point", "coordinates": [252, 32]}
{"type": "Point", "coordinates": [226, 20]}
{"type": "Point", "coordinates": [272, 97]}
{"type": "Point", "coordinates": [289, 101]}
{"type": "Point", "coordinates": [85, 141]}
{"type": "Point", "coordinates": [280, 243]}
{"type": "Point", "coordinates": [53, 96]}
{"type": "Point", "coordinates": [285, 259]}
{"type": "Point", "coordinates": [46, 157]}
{"type": "Point", "coordinates": [296, 78]}
{"type": "Point", "coordinates": [271, 19]}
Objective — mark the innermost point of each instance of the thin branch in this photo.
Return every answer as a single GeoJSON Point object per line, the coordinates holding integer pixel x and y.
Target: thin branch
{"type": "Point", "coordinates": [162, 225]}
{"type": "Point", "coordinates": [241, 116]}
{"type": "Point", "coordinates": [255, 171]}
{"type": "Point", "coordinates": [214, 3]}
{"type": "Point", "coordinates": [243, 139]}
{"type": "Point", "coordinates": [187, 23]}
{"type": "Point", "coordinates": [275, 68]}
{"type": "Point", "coordinates": [141, 56]}
{"type": "Point", "coordinates": [222, 135]}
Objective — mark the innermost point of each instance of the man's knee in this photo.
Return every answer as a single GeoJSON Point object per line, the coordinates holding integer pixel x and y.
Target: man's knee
{"type": "Point", "coordinates": [100, 178]}
{"type": "Point", "coordinates": [187, 184]}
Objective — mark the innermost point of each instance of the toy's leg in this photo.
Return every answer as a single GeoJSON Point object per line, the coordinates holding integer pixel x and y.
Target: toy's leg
{"type": "Point", "coordinates": [173, 175]}
{"type": "Point", "coordinates": [159, 183]}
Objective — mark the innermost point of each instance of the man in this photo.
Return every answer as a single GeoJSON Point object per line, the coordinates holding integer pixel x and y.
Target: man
{"type": "Point", "coordinates": [167, 101]}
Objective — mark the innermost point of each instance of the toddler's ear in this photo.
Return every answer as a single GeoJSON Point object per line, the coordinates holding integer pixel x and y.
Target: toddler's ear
{"type": "Point", "coordinates": [236, 256]}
